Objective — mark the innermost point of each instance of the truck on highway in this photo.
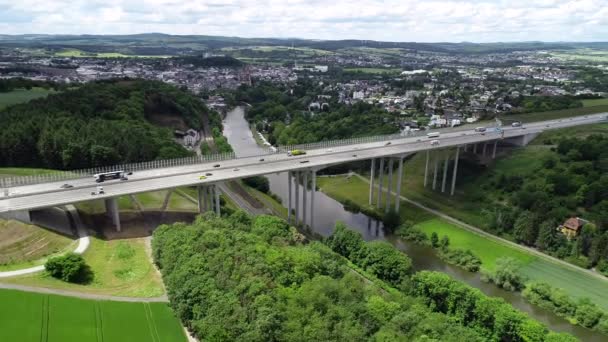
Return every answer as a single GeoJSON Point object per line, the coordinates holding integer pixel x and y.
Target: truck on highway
{"type": "Point", "coordinates": [296, 153]}
{"type": "Point", "coordinates": [432, 135]}
{"type": "Point", "coordinates": [100, 177]}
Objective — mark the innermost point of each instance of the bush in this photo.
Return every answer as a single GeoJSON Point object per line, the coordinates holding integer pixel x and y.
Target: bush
{"type": "Point", "coordinates": [259, 183]}
{"type": "Point", "coordinates": [69, 267]}
{"type": "Point", "coordinates": [461, 257]}
{"type": "Point", "coordinates": [505, 276]}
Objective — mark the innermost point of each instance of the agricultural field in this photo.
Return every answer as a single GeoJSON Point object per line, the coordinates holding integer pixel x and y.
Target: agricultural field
{"type": "Point", "coordinates": [24, 245]}
{"type": "Point", "coordinates": [34, 317]}
{"type": "Point", "coordinates": [80, 53]}
{"type": "Point", "coordinates": [22, 95]}
{"type": "Point", "coordinates": [119, 268]}
{"type": "Point", "coordinates": [595, 102]}
{"type": "Point", "coordinates": [583, 55]}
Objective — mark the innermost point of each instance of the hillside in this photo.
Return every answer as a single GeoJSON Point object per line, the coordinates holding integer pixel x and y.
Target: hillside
{"type": "Point", "coordinates": [100, 123]}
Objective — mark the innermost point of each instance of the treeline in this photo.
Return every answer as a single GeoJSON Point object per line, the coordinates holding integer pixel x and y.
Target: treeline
{"type": "Point", "coordinates": [242, 278]}
{"type": "Point", "coordinates": [10, 84]}
{"type": "Point", "coordinates": [572, 180]}
{"type": "Point", "coordinates": [100, 123]}
{"type": "Point", "coordinates": [531, 104]}
{"type": "Point", "coordinates": [492, 318]}
{"type": "Point", "coordinates": [283, 112]}
{"type": "Point", "coordinates": [583, 312]}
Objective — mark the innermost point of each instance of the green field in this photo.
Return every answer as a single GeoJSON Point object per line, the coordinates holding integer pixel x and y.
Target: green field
{"type": "Point", "coordinates": [583, 55]}
{"type": "Point", "coordinates": [26, 317]}
{"type": "Point", "coordinates": [120, 268]}
{"type": "Point", "coordinates": [22, 95]}
{"type": "Point", "coordinates": [576, 283]}
{"type": "Point", "coordinates": [80, 53]}
{"type": "Point", "coordinates": [595, 102]}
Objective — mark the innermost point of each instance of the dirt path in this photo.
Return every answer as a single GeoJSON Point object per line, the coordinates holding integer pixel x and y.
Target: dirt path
{"type": "Point", "coordinates": [161, 299]}
{"type": "Point", "coordinates": [485, 234]}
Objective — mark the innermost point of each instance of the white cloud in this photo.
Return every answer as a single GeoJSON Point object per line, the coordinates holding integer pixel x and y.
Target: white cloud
{"type": "Point", "coordinates": [395, 20]}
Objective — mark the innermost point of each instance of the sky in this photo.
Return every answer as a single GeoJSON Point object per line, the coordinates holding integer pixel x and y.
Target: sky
{"type": "Point", "coordinates": [386, 20]}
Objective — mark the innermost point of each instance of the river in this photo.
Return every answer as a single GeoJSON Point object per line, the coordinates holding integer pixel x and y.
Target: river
{"type": "Point", "coordinates": [328, 211]}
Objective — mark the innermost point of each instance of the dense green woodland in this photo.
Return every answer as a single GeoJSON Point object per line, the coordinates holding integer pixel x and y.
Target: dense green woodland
{"type": "Point", "coordinates": [572, 180]}
{"type": "Point", "coordinates": [244, 278]}
{"type": "Point", "coordinates": [284, 113]}
{"type": "Point", "coordinates": [100, 123]}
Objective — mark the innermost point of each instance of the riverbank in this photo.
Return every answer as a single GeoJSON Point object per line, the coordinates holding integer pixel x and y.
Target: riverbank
{"type": "Point", "coordinates": [575, 283]}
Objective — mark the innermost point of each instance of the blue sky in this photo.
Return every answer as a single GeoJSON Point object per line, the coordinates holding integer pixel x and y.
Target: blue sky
{"type": "Point", "coordinates": [388, 20]}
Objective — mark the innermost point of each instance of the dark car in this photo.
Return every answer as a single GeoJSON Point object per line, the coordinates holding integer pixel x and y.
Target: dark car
{"type": "Point", "coordinates": [262, 159]}
{"type": "Point", "coordinates": [208, 174]}
{"type": "Point", "coordinates": [388, 143]}
{"type": "Point", "coordinates": [216, 165]}
{"type": "Point", "coordinates": [67, 186]}
{"type": "Point", "coordinates": [304, 161]}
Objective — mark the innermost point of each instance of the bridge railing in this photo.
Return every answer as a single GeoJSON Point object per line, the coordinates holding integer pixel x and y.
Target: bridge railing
{"type": "Point", "coordinates": [57, 176]}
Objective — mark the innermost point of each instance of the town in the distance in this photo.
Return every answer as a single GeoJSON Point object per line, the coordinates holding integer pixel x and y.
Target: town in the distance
{"type": "Point", "coordinates": [158, 187]}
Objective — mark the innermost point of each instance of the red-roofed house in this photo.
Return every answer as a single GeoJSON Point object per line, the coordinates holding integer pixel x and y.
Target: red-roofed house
{"type": "Point", "coordinates": [572, 226]}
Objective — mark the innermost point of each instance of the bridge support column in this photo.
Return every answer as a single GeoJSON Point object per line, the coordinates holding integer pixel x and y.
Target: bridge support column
{"type": "Point", "coordinates": [20, 215]}
{"type": "Point", "coordinates": [304, 197]}
{"type": "Point", "coordinates": [389, 187]}
{"type": "Point", "coordinates": [445, 171]}
{"type": "Point", "coordinates": [435, 173]}
{"type": "Point", "coordinates": [380, 172]}
{"type": "Point", "coordinates": [297, 210]}
{"type": "Point", "coordinates": [371, 182]}
{"type": "Point", "coordinates": [216, 190]}
{"type": "Point", "coordinates": [208, 199]}
{"type": "Point", "coordinates": [466, 147]}
{"type": "Point", "coordinates": [455, 170]}
{"type": "Point", "coordinates": [312, 198]}
{"type": "Point", "coordinates": [474, 148]}
{"type": "Point", "coordinates": [426, 168]}
{"type": "Point", "coordinates": [483, 151]}
{"type": "Point", "coordinates": [494, 151]}
{"type": "Point", "coordinates": [289, 180]}
{"type": "Point", "coordinates": [398, 195]}
{"type": "Point", "coordinates": [201, 198]}
{"type": "Point", "coordinates": [112, 211]}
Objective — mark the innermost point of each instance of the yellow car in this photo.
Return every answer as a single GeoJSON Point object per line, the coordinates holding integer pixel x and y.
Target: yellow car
{"type": "Point", "coordinates": [202, 177]}
{"type": "Point", "coordinates": [296, 153]}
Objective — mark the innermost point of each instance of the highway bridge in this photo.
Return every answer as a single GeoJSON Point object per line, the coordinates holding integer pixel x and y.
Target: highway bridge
{"type": "Point", "coordinates": [17, 201]}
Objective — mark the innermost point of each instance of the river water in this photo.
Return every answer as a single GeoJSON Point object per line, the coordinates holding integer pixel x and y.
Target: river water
{"type": "Point", "coordinates": [328, 211]}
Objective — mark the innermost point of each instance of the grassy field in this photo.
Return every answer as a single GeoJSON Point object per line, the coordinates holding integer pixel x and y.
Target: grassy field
{"type": "Point", "coordinates": [558, 114]}
{"type": "Point", "coordinates": [34, 317]}
{"type": "Point", "coordinates": [23, 245]}
{"type": "Point", "coordinates": [120, 268]}
{"type": "Point", "coordinates": [22, 95]}
{"type": "Point", "coordinates": [80, 53]}
{"type": "Point", "coordinates": [588, 55]}
{"type": "Point", "coordinates": [22, 171]}
{"type": "Point", "coordinates": [595, 102]}
{"type": "Point", "coordinates": [576, 283]}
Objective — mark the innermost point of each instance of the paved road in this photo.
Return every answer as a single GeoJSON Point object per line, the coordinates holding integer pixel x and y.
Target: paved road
{"type": "Point", "coordinates": [490, 236]}
{"type": "Point", "coordinates": [48, 194]}
{"type": "Point", "coordinates": [160, 299]}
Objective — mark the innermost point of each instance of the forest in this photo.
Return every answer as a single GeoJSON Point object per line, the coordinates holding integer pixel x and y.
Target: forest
{"type": "Point", "coordinates": [244, 278]}
{"type": "Point", "coordinates": [284, 114]}
{"type": "Point", "coordinates": [100, 123]}
{"type": "Point", "coordinates": [570, 181]}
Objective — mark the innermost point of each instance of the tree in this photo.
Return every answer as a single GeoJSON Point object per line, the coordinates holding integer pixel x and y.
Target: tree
{"type": "Point", "coordinates": [434, 240]}
{"type": "Point", "coordinates": [347, 243]}
{"type": "Point", "coordinates": [386, 262]}
{"type": "Point", "coordinates": [445, 242]}
{"type": "Point", "coordinates": [391, 220]}
{"type": "Point", "coordinates": [547, 238]}
{"type": "Point", "coordinates": [587, 313]}
{"type": "Point", "coordinates": [69, 267]}
{"type": "Point", "coordinates": [506, 274]}
{"type": "Point", "coordinates": [524, 228]}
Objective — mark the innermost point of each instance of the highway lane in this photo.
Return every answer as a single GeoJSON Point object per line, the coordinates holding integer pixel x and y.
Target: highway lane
{"type": "Point", "coordinates": [49, 194]}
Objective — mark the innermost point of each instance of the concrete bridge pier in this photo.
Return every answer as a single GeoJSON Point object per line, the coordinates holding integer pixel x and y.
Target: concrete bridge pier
{"type": "Point", "coordinates": [312, 197]}
{"type": "Point", "coordinates": [289, 180]}
{"type": "Point", "coordinates": [445, 171]}
{"type": "Point", "coordinates": [426, 168]}
{"type": "Point", "coordinates": [474, 148]}
{"type": "Point", "coordinates": [389, 186]}
{"type": "Point", "coordinates": [304, 196]}
{"type": "Point", "coordinates": [399, 176]}
{"type": "Point", "coordinates": [380, 172]}
{"type": "Point", "coordinates": [371, 182]}
{"type": "Point", "coordinates": [19, 215]}
{"type": "Point", "coordinates": [201, 192]}
{"type": "Point", "coordinates": [297, 184]}
{"type": "Point", "coordinates": [483, 151]}
{"type": "Point", "coordinates": [455, 170]}
{"type": "Point", "coordinates": [494, 150]}
{"type": "Point", "coordinates": [435, 173]}
{"type": "Point", "coordinates": [113, 212]}
{"type": "Point", "coordinates": [217, 191]}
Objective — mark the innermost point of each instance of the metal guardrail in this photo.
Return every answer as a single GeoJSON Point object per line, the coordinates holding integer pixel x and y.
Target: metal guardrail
{"type": "Point", "coordinates": [57, 176]}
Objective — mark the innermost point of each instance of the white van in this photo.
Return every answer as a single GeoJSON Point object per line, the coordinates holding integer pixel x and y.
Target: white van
{"type": "Point", "coordinates": [435, 142]}
{"type": "Point", "coordinates": [432, 135]}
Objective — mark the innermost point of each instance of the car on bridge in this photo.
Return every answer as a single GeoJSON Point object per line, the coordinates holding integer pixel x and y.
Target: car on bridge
{"type": "Point", "coordinates": [435, 142]}
{"type": "Point", "coordinates": [202, 177]}
{"type": "Point", "coordinates": [296, 153]}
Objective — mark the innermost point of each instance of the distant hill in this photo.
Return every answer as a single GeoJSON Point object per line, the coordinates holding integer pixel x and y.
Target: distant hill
{"type": "Point", "coordinates": [164, 44]}
{"type": "Point", "coordinates": [100, 123]}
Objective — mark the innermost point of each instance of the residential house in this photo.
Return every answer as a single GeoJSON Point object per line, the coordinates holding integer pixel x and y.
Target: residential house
{"type": "Point", "coordinates": [572, 226]}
